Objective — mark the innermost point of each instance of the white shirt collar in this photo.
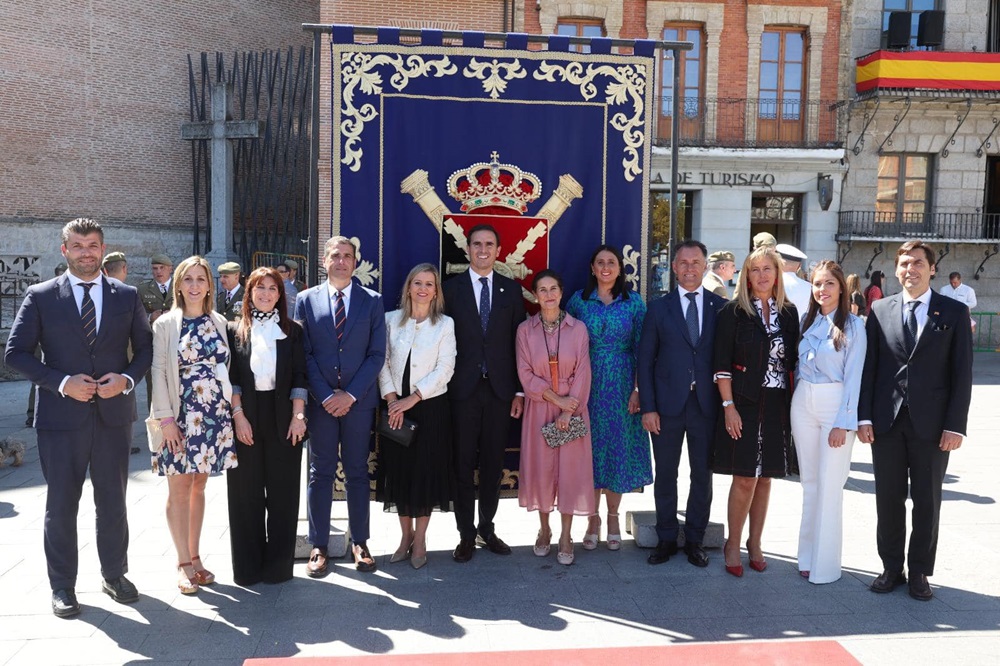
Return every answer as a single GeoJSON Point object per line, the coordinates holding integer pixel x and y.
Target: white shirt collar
{"type": "Point", "coordinates": [683, 292]}
{"type": "Point", "coordinates": [346, 290]}
{"type": "Point", "coordinates": [924, 298]}
{"type": "Point", "coordinates": [476, 276]}
{"type": "Point", "coordinates": [74, 280]}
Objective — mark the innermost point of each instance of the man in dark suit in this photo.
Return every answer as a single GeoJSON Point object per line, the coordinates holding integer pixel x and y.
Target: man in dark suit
{"type": "Point", "coordinates": [229, 302]}
{"type": "Point", "coordinates": [485, 391]}
{"type": "Point", "coordinates": [913, 410]}
{"type": "Point", "coordinates": [84, 324]}
{"type": "Point", "coordinates": [344, 334]}
{"type": "Point", "coordinates": [677, 396]}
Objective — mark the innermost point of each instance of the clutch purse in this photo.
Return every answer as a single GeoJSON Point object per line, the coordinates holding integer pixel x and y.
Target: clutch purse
{"type": "Point", "coordinates": [402, 436]}
{"type": "Point", "coordinates": [154, 435]}
{"type": "Point", "coordinates": [555, 437]}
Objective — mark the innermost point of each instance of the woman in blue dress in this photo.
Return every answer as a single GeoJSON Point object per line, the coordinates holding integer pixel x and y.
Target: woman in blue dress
{"type": "Point", "coordinates": [191, 399]}
{"type": "Point", "coordinates": [613, 316]}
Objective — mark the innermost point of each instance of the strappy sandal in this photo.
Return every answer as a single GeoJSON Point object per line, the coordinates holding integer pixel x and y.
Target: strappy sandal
{"type": "Point", "coordinates": [540, 549]}
{"type": "Point", "coordinates": [566, 559]}
{"type": "Point", "coordinates": [590, 539]}
{"type": "Point", "coordinates": [187, 584]}
{"type": "Point", "coordinates": [203, 575]}
{"type": "Point", "coordinates": [614, 540]}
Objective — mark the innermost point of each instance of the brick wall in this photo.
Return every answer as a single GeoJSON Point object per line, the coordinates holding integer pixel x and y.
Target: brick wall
{"type": "Point", "coordinates": [94, 95]}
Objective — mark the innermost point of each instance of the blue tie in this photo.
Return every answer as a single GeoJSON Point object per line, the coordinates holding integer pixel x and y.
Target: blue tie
{"type": "Point", "coordinates": [484, 304]}
{"type": "Point", "coordinates": [692, 318]}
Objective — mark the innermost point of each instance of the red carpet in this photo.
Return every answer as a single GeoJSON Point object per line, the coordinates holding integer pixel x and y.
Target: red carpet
{"type": "Point", "coordinates": [799, 653]}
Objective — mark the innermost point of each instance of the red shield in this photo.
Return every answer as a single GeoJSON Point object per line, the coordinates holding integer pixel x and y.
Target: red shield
{"type": "Point", "coordinates": [514, 237]}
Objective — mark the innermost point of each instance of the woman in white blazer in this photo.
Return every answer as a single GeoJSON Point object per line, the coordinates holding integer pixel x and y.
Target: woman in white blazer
{"type": "Point", "coordinates": [192, 400]}
{"type": "Point", "coordinates": [415, 480]}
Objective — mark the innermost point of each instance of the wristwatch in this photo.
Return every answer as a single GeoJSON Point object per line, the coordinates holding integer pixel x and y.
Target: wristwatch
{"type": "Point", "coordinates": [726, 403]}
{"type": "Point", "coordinates": [300, 417]}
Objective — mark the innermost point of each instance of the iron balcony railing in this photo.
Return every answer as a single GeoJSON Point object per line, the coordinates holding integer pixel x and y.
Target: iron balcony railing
{"type": "Point", "coordinates": [754, 123]}
{"type": "Point", "coordinates": [861, 224]}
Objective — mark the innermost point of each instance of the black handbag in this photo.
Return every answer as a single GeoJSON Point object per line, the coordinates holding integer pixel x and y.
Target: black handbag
{"type": "Point", "coordinates": [403, 436]}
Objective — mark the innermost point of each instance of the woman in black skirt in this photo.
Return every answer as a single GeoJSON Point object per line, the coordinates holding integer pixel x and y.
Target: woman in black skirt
{"type": "Point", "coordinates": [415, 480]}
{"type": "Point", "coordinates": [269, 393]}
{"type": "Point", "coordinates": [755, 354]}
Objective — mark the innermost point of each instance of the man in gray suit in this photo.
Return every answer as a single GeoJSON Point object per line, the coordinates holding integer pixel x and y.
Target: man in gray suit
{"type": "Point", "coordinates": [84, 323]}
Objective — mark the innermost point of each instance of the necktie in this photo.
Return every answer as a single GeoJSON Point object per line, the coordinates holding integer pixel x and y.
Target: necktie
{"type": "Point", "coordinates": [229, 299]}
{"type": "Point", "coordinates": [339, 316]}
{"type": "Point", "coordinates": [911, 327]}
{"type": "Point", "coordinates": [484, 304]}
{"type": "Point", "coordinates": [88, 314]}
{"type": "Point", "coordinates": [692, 318]}
{"type": "Point", "coordinates": [163, 289]}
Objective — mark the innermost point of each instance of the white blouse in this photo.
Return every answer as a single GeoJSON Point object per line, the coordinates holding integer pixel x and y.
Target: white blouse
{"type": "Point", "coordinates": [264, 352]}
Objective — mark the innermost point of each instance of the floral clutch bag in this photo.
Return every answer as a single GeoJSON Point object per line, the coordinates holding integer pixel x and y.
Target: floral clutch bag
{"type": "Point", "coordinates": [556, 438]}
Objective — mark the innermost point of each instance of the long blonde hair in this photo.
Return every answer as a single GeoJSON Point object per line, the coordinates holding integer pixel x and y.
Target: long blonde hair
{"type": "Point", "coordinates": [745, 291]}
{"type": "Point", "coordinates": [406, 302]}
{"type": "Point", "coordinates": [175, 285]}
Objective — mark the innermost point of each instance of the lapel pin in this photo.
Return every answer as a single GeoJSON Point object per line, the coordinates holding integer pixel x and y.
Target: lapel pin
{"type": "Point", "coordinates": [936, 314]}
{"type": "Point", "coordinates": [501, 290]}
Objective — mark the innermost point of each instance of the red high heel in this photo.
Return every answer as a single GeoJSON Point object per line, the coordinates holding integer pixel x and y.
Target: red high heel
{"type": "Point", "coordinates": [736, 570]}
{"type": "Point", "coordinates": [756, 565]}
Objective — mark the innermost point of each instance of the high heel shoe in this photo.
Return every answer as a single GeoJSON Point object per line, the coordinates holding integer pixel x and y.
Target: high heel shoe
{"type": "Point", "coordinates": [401, 556]}
{"type": "Point", "coordinates": [590, 539]}
{"type": "Point", "coordinates": [187, 584]}
{"type": "Point", "coordinates": [543, 550]}
{"type": "Point", "coordinates": [418, 561]}
{"type": "Point", "coordinates": [804, 574]}
{"type": "Point", "coordinates": [202, 575]}
{"type": "Point", "coordinates": [614, 540]}
{"type": "Point", "coordinates": [566, 559]}
{"type": "Point", "coordinates": [735, 570]}
{"type": "Point", "coordinates": [756, 565]}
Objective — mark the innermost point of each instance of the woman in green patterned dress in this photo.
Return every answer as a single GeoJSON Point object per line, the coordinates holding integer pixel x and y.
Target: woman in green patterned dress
{"type": "Point", "coordinates": [613, 316]}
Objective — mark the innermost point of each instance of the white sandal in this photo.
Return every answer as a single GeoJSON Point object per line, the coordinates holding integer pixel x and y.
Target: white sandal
{"type": "Point", "coordinates": [565, 559]}
{"type": "Point", "coordinates": [614, 540]}
{"type": "Point", "coordinates": [590, 539]}
{"type": "Point", "coordinates": [542, 551]}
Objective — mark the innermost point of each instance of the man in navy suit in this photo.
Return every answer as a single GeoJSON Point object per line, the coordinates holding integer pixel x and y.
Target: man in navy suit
{"type": "Point", "coordinates": [485, 391]}
{"type": "Point", "coordinates": [677, 396]}
{"type": "Point", "coordinates": [344, 327]}
{"type": "Point", "coordinates": [84, 323]}
{"type": "Point", "coordinates": [913, 409]}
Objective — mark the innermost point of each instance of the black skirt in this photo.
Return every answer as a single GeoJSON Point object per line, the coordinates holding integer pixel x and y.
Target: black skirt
{"type": "Point", "coordinates": [764, 448]}
{"type": "Point", "coordinates": [417, 479]}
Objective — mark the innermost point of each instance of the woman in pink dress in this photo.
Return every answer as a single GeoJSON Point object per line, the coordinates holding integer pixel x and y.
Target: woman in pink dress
{"type": "Point", "coordinates": [553, 363]}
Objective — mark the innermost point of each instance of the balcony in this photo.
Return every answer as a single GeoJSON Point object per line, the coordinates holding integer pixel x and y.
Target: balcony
{"type": "Point", "coordinates": [754, 123]}
{"type": "Point", "coordinates": [862, 225]}
{"type": "Point", "coordinates": [941, 73]}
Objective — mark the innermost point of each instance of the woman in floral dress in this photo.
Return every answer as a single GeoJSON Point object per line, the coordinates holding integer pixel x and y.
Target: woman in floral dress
{"type": "Point", "coordinates": [191, 399]}
{"type": "Point", "coordinates": [613, 316]}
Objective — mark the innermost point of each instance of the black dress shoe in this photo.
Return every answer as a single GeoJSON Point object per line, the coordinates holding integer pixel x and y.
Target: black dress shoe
{"type": "Point", "coordinates": [121, 590]}
{"type": "Point", "coordinates": [64, 603]}
{"type": "Point", "coordinates": [920, 589]}
{"type": "Point", "coordinates": [464, 551]}
{"type": "Point", "coordinates": [494, 544]}
{"type": "Point", "coordinates": [363, 560]}
{"type": "Point", "coordinates": [696, 554]}
{"type": "Point", "coordinates": [662, 552]}
{"type": "Point", "coordinates": [134, 450]}
{"type": "Point", "coordinates": [888, 581]}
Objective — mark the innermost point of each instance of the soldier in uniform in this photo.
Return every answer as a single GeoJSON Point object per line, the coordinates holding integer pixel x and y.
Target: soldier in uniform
{"type": "Point", "coordinates": [229, 302]}
{"type": "Point", "coordinates": [157, 297]}
{"type": "Point", "coordinates": [115, 266]}
{"type": "Point", "coordinates": [293, 274]}
{"type": "Point", "coordinates": [721, 268]}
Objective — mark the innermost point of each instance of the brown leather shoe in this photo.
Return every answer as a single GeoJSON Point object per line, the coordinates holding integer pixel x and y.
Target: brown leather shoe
{"type": "Point", "coordinates": [464, 551]}
{"type": "Point", "coordinates": [920, 589]}
{"type": "Point", "coordinates": [888, 581]}
{"type": "Point", "coordinates": [316, 568]}
{"type": "Point", "coordinates": [363, 560]}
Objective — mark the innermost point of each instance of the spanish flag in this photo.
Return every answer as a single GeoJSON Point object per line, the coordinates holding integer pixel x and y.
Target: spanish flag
{"type": "Point", "coordinates": [928, 70]}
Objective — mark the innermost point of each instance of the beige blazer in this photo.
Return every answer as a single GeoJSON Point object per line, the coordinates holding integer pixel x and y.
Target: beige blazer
{"type": "Point", "coordinates": [166, 385]}
{"type": "Point", "coordinates": [430, 348]}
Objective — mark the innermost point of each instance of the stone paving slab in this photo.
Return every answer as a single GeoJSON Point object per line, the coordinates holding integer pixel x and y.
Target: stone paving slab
{"type": "Point", "coordinates": [518, 602]}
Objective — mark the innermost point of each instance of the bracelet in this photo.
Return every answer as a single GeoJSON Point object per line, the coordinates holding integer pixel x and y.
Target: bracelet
{"type": "Point", "coordinates": [391, 403]}
{"type": "Point", "coordinates": [237, 410]}
{"type": "Point", "coordinates": [166, 421]}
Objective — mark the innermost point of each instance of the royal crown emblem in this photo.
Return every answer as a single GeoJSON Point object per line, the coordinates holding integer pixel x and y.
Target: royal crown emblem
{"type": "Point", "coordinates": [490, 184]}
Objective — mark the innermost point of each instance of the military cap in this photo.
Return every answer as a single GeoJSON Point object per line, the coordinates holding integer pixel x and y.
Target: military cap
{"type": "Point", "coordinates": [790, 252]}
{"type": "Point", "coordinates": [764, 239]}
{"type": "Point", "coordinates": [113, 256]}
{"type": "Point", "coordinates": [721, 255]}
{"type": "Point", "coordinates": [60, 268]}
{"type": "Point", "coordinates": [292, 264]}
{"type": "Point", "coordinates": [161, 259]}
{"type": "Point", "coordinates": [229, 267]}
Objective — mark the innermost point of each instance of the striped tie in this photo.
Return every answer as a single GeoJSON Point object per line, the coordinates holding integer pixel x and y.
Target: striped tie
{"type": "Point", "coordinates": [338, 315]}
{"type": "Point", "coordinates": [88, 314]}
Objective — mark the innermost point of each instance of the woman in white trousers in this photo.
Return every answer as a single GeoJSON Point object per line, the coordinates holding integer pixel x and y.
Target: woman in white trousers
{"type": "Point", "coordinates": [825, 418]}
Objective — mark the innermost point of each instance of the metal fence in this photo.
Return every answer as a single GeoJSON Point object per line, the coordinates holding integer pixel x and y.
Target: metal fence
{"type": "Point", "coordinates": [881, 224]}
{"type": "Point", "coordinates": [753, 123]}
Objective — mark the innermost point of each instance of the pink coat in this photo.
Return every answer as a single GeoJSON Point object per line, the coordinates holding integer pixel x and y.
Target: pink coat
{"type": "Point", "coordinates": [562, 477]}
